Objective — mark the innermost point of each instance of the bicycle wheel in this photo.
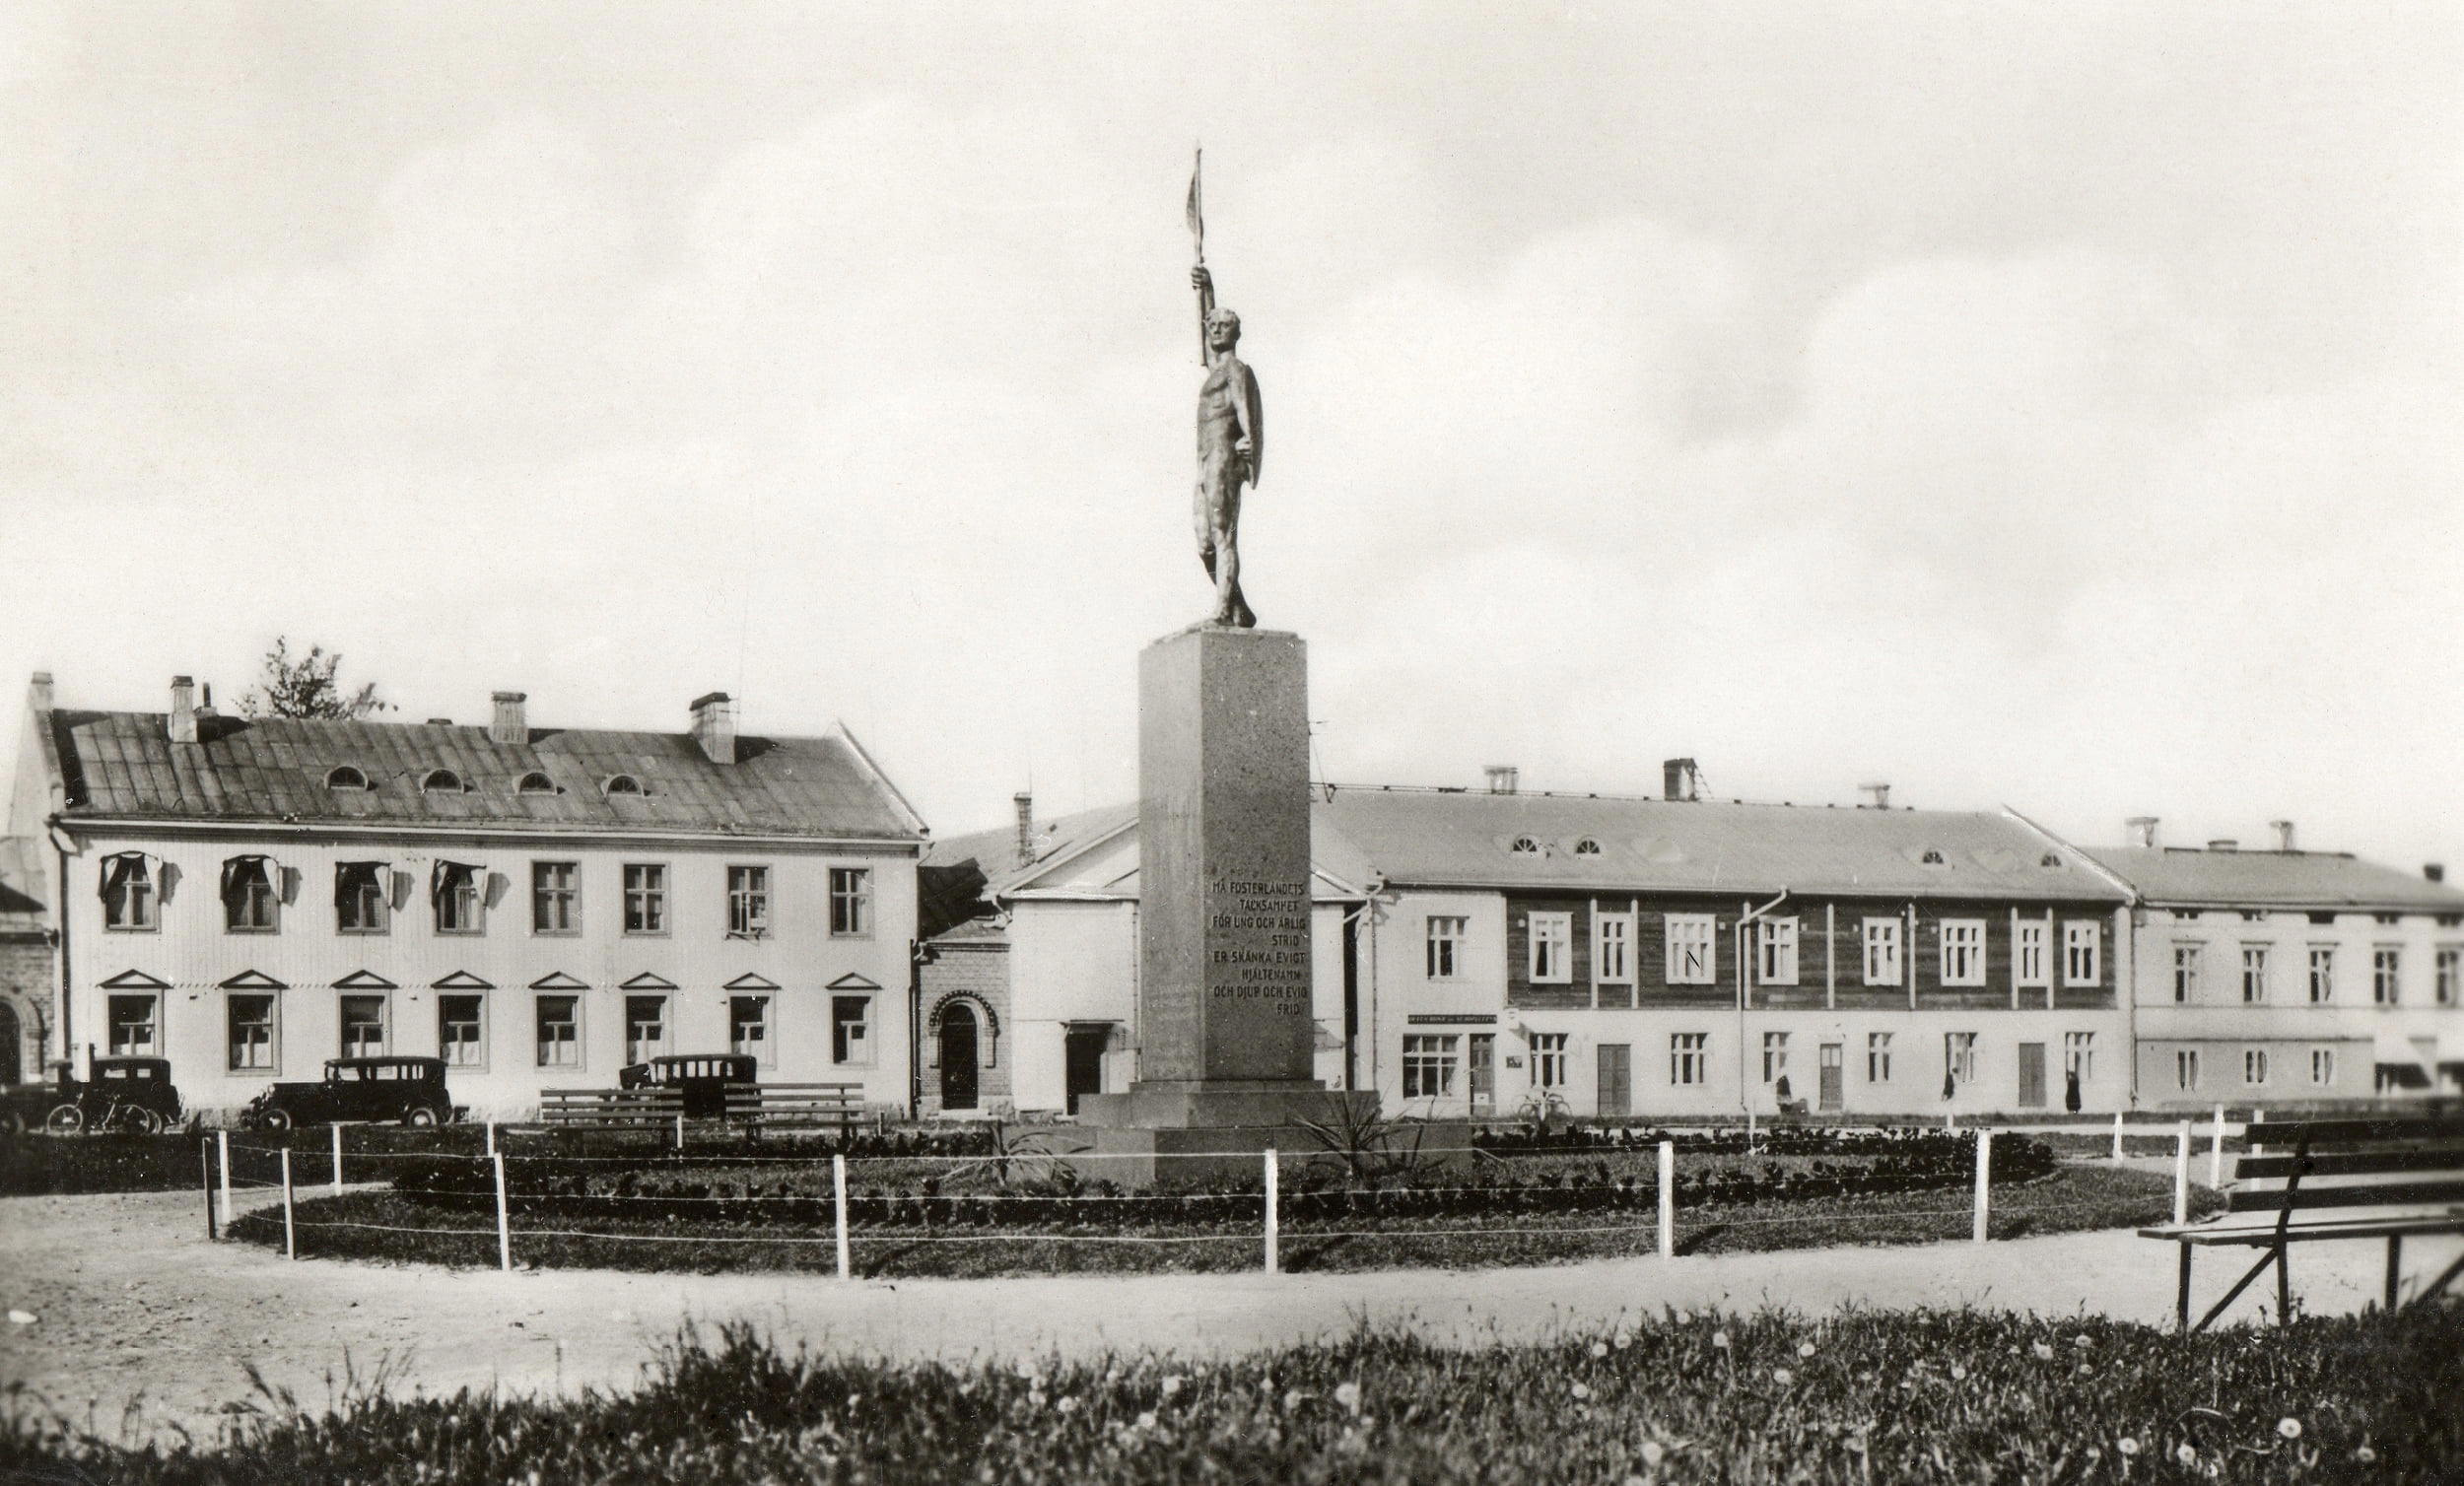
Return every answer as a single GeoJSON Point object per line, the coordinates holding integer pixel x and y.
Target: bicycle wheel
{"type": "Point", "coordinates": [143, 1121]}
{"type": "Point", "coordinates": [64, 1119]}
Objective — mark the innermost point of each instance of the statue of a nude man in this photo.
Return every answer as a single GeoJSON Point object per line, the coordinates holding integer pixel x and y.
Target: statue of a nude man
{"type": "Point", "coordinates": [1230, 439]}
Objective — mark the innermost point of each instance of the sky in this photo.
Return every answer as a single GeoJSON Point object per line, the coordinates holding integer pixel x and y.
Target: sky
{"type": "Point", "coordinates": [2052, 406]}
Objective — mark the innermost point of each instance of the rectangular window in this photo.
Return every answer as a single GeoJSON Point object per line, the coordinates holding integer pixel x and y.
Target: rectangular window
{"type": "Point", "coordinates": [1963, 951]}
{"type": "Point", "coordinates": [646, 1028]}
{"type": "Point", "coordinates": [361, 890]}
{"type": "Point", "coordinates": [2079, 1055]}
{"type": "Point", "coordinates": [2187, 1069]}
{"type": "Point", "coordinates": [1552, 946]}
{"type": "Point", "coordinates": [458, 901]}
{"type": "Point", "coordinates": [1689, 1054]}
{"type": "Point", "coordinates": [2322, 1065]}
{"type": "Point", "coordinates": [1446, 936]}
{"type": "Point", "coordinates": [560, 1032]}
{"type": "Point", "coordinates": [2186, 957]}
{"type": "Point", "coordinates": [1959, 1055]}
{"type": "Point", "coordinates": [1428, 1067]}
{"type": "Point", "coordinates": [851, 1031]}
{"type": "Point", "coordinates": [2322, 973]}
{"type": "Point", "coordinates": [2082, 944]}
{"type": "Point", "coordinates": [1774, 1056]}
{"type": "Point", "coordinates": [749, 1027]}
{"type": "Point", "coordinates": [1775, 952]}
{"type": "Point", "coordinates": [2386, 975]}
{"type": "Point", "coordinates": [850, 900]}
{"type": "Point", "coordinates": [128, 893]}
{"type": "Point", "coordinates": [2450, 972]}
{"type": "Point", "coordinates": [748, 901]}
{"type": "Point", "coordinates": [458, 1032]}
{"type": "Point", "coordinates": [2254, 977]}
{"type": "Point", "coordinates": [2032, 967]}
{"type": "Point", "coordinates": [133, 1029]}
{"type": "Point", "coordinates": [1548, 1059]}
{"type": "Point", "coordinates": [251, 1039]}
{"type": "Point", "coordinates": [363, 1026]}
{"type": "Point", "coordinates": [1689, 956]}
{"type": "Point", "coordinates": [646, 898]}
{"type": "Point", "coordinates": [1881, 951]}
{"type": "Point", "coordinates": [555, 897]}
{"type": "Point", "coordinates": [1878, 1057]}
{"type": "Point", "coordinates": [250, 901]}
{"type": "Point", "coordinates": [2254, 1065]}
{"type": "Point", "coordinates": [1614, 951]}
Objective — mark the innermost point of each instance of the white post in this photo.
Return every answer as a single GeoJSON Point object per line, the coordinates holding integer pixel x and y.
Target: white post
{"type": "Point", "coordinates": [337, 1129]}
{"type": "Point", "coordinates": [2117, 1134]}
{"type": "Point", "coordinates": [1984, 1181]}
{"type": "Point", "coordinates": [1750, 1129]}
{"type": "Point", "coordinates": [503, 1219]}
{"type": "Point", "coordinates": [2182, 1173]}
{"type": "Point", "coordinates": [1668, 1199]}
{"type": "Point", "coordinates": [205, 1169]}
{"type": "Point", "coordinates": [2215, 1150]}
{"type": "Point", "coordinates": [491, 1137]}
{"type": "Point", "coordinates": [290, 1240]}
{"type": "Point", "coordinates": [1950, 1120]}
{"type": "Point", "coordinates": [837, 1190]}
{"type": "Point", "coordinates": [222, 1151]}
{"type": "Point", "coordinates": [1273, 1213]}
{"type": "Point", "coordinates": [679, 1132]}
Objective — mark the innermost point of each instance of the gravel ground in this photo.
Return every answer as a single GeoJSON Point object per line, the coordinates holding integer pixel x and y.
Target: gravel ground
{"type": "Point", "coordinates": [148, 1327]}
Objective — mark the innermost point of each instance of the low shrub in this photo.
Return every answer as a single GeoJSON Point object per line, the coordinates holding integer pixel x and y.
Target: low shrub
{"type": "Point", "coordinates": [115, 1161]}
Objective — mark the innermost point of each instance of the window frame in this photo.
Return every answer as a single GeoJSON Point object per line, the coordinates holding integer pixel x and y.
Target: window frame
{"type": "Point", "coordinates": [749, 899]}
{"type": "Point", "coordinates": [540, 1004]}
{"type": "Point", "coordinates": [1541, 966]}
{"type": "Point", "coordinates": [2447, 961]}
{"type": "Point", "coordinates": [1690, 1059]}
{"type": "Point", "coordinates": [1971, 951]}
{"type": "Point", "coordinates": [637, 1050]}
{"type": "Point", "coordinates": [152, 1022]}
{"type": "Point", "coordinates": [2386, 975]}
{"type": "Point", "coordinates": [2083, 935]}
{"type": "Point", "coordinates": [851, 902]}
{"type": "Point", "coordinates": [447, 883]}
{"type": "Point", "coordinates": [766, 1054]}
{"type": "Point", "coordinates": [1886, 942]}
{"type": "Point", "coordinates": [566, 896]}
{"type": "Point", "coordinates": [2186, 1071]}
{"type": "Point", "coordinates": [1444, 958]}
{"type": "Point", "coordinates": [1878, 1057]}
{"type": "Point", "coordinates": [379, 878]}
{"type": "Point", "coordinates": [137, 886]}
{"type": "Point", "coordinates": [2322, 981]}
{"type": "Point", "coordinates": [2032, 955]}
{"type": "Point", "coordinates": [1776, 951]}
{"type": "Point", "coordinates": [2258, 974]}
{"type": "Point", "coordinates": [1612, 949]}
{"type": "Point", "coordinates": [1551, 1059]}
{"type": "Point", "coordinates": [1685, 936]}
{"type": "Point", "coordinates": [2253, 1062]}
{"type": "Point", "coordinates": [645, 885]}
{"type": "Point", "coordinates": [479, 1023]}
{"type": "Point", "coordinates": [2323, 1067]}
{"type": "Point", "coordinates": [1430, 1057]}
{"type": "Point", "coordinates": [2079, 1055]}
{"type": "Point", "coordinates": [1959, 1057]}
{"type": "Point", "coordinates": [237, 888]}
{"type": "Point", "coordinates": [2189, 968]}
{"type": "Point", "coordinates": [343, 1024]}
{"type": "Point", "coordinates": [1774, 1056]}
{"type": "Point", "coordinates": [272, 1025]}
{"type": "Point", "coordinates": [863, 1056]}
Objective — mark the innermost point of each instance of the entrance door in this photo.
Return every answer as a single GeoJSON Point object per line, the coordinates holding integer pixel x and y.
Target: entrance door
{"type": "Point", "coordinates": [1483, 1072]}
{"type": "Point", "coordinates": [958, 1057]}
{"type": "Point", "coordinates": [1616, 1079]}
{"type": "Point", "coordinates": [1083, 1052]}
{"type": "Point", "coordinates": [2032, 1075]}
{"type": "Point", "coordinates": [1831, 1062]}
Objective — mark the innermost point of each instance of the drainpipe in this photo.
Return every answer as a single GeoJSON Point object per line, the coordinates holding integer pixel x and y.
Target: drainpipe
{"type": "Point", "coordinates": [1744, 980]}
{"type": "Point", "coordinates": [915, 1027]}
{"type": "Point", "coordinates": [1352, 996]}
{"type": "Point", "coordinates": [67, 991]}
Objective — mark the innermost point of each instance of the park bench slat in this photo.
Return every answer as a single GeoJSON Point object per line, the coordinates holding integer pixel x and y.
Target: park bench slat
{"type": "Point", "coordinates": [2371, 1194]}
{"type": "Point", "coordinates": [2333, 1132]}
{"type": "Point", "coordinates": [2418, 1158]}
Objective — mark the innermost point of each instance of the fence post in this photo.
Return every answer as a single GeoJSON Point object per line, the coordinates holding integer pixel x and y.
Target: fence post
{"type": "Point", "coordinates": [2216, 1149]}
{"type": "Point", "coordinates": [2182, 1173]}
{"type": "Point", "coordinates": [221, 1159]}
{"type": "Point", "coordinates": [491, 1137]}
{"type": "Point", "coordinates": [1274, 1216]}
{"type": "Point", "coordinates": [838, 1194]}
{"type": "Point", "coordinates": [2117, 1134]}
{"type": "Point", "coordinates": [205, 1165]}
{"type": "Point", "coordinates": [503, 1219]}
{"type": "Point", "coordinates": [1668, 1199]}
{"type": "Point", "coordinates": [337, 1159]}
{"type": "Point", "coordinates": [680, 1132]}
{"type": "Point", "coordinates": [1984, 1181]}
{"type": "Point", "coordinates": [290, 1238]}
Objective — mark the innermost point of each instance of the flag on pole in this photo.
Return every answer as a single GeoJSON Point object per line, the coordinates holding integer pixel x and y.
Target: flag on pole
{"type": "Point", "coordinates": [1196, 212]}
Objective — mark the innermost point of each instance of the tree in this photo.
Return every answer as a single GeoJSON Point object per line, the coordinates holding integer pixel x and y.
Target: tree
{"type": "Point", "coordinates": [306, 686]}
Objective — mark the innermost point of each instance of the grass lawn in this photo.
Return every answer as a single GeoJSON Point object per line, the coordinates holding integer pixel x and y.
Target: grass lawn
{"type": "Point", "coordinates": [1921, 1396]}
{"type": "Point", "coordinates": [2072, 1198]}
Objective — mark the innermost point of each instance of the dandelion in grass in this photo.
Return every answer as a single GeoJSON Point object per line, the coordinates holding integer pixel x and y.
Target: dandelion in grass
{"type": "Point", "coordinates": [1581, 1390]}
{"type": "Point", "coordinates": [2081, 1341]}
{"type": "Point", "coordinates": [2366, 1455]}
{"type": "Point", "coordinates": [1622, 1340]}
{"type": "Point", "coordinates": [1783, 1376]}
{"type": "Point", "coordinates": [1349, 1395]}
{"type": "Point", "coordinates": [1653, 1453]}
{"type": "Point", "coordinates": [1958, 1374]}
{"type": "Point", "coordinates": [1172, 1384]}
{"type": "Point", "coordinates": [2043, 1351]}
{"type": "Point", "coordinates": [2126, 1445]}
{"type": "Point", "coordinates": [1599, 1349]}
{"type": "Point", "coordinates": [2289, 1426]}
{"type": "Point", "coordinates": [1068, 1405]}
{"type": "Point", "coordinates": [1148, 1420]}
{"type": "Point", "coordinates": [1684, 1317]}
{"type": "Point", "coordinates": [1804, 1349]}
{"type": "Point", "coordinates": [2187, 1454]}
{"type": "Point", "coordinates": [1291, 1401]}
{"type": "Point", "coordinates": [1719, 1339]}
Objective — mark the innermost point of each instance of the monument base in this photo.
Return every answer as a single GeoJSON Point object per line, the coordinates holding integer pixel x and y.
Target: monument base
{"type": "Point", "coordinates": [1184, 1134]}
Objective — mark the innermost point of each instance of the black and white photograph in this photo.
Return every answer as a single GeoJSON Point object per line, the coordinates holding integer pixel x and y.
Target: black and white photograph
{"type": "Point", "coordinates": [1637, 742]}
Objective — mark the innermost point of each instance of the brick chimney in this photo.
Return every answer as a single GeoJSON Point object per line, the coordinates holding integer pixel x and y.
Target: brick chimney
{"type": "Point", "coordinates": [38, 692]}
{"type": "Point", "coordinates": [509, 725]}
{"type": "Point", "coordinates": [1679, 779]}
{"type": "Point", "coordinates": [2284, 835]}
{"type": "Point", "coordinates": [184, 719]}
{"type": "Point", "coordinates": [714, 726]}
{"type": "Point", "coordinates": [2434, 871]}
{"type": "Point", "coordinates": [1026, 826]}
{"type": "Point", "coordinates": [1877, 794]}
{"type": "Point", "coordinates": [1503, 778]}
{"type": "Point", "coordinates": [2142, 830]}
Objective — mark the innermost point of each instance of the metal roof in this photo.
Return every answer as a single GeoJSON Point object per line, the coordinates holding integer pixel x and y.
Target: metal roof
{"type": "Point", "coordinates": [2274, 879]}
{"type": "Point", "coordinates": [124, 766]}
{"type": "Point", "coordinates": [1439, 839]}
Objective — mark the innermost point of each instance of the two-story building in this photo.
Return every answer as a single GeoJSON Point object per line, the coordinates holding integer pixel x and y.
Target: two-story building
{"type": "Point", "coordinates": [2285, 977]}
{"type": "Point", "coordinates": [539, 906]}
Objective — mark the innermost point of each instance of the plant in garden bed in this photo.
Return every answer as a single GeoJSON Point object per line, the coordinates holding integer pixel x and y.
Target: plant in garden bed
{"type": "Point", "coordinates": [1924, 1396]}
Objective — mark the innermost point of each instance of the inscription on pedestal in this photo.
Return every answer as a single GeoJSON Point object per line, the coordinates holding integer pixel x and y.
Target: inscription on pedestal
{"type": "Point", "coordinates": [1258, 942]}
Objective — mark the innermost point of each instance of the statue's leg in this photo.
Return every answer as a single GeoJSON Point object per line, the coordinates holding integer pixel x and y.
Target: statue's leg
{"type": "Point", "coordinates": [1201, 509]}
{"type": "Point", "coordinates": [1230, 607]}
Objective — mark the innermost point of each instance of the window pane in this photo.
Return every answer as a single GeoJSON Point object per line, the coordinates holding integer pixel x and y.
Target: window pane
{"type": "Point", "coordinates": [851, 900]}
{"type": "Point", "coordinates": [458, 1031]}
{"type": "Point", "coordinates": [363, 1026]}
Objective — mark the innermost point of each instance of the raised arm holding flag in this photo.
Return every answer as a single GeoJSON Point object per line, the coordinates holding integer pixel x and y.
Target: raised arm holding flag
{"type": "Point", "coordinates": [1231, 436]}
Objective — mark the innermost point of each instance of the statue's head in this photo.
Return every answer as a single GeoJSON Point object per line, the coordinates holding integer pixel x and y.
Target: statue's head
{"type": "Point", "coordinates": [1223, 330]}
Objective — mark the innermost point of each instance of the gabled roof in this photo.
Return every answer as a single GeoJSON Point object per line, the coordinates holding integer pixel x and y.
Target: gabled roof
{"type": "Point", "coordinates": [123, 766]}
{"type": "Point", "coordinates": [1460, 838]}
{"type": "Point", "coordinates": [2190, 875]}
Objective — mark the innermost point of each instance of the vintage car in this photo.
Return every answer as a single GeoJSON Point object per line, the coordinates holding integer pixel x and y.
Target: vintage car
{"type": "Point", "coordinates": [408, 1088]}
{"type": "Point", "coordinates": [118, 1094]}
{"type": "Point", "coordinates": [703, 1078]}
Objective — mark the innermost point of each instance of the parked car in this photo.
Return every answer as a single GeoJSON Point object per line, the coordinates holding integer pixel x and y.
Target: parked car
{"type": "Point", "coordinates": [118, 1094]}
{"type": "Point", "coordinates": [408, 1088]}
{"type": "Point", "coordinates": [703, 1078]}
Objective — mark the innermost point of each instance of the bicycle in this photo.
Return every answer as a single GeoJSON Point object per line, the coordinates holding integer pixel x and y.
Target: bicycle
{"type": "Point", "coordinates": [69, 1118]}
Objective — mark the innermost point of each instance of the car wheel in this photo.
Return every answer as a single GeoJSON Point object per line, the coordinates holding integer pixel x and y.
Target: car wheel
{"type": "Point", "coordinates": [420, 1115]}
{"type": "Point", "coordinates": [12, 1122]}
{"type": "Point", "coordinates": [64, 1119]}
{"type": "Point", "coordinates": [146, 1121]}
{"type": "Point", "coordinates": [275, 1119]}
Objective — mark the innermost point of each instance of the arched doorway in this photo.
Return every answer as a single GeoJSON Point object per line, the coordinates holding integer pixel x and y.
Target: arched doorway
{"type": "Point", "coordinates": [12, 1046]}
{"type": "Point", "coordinates": [958, 1057]}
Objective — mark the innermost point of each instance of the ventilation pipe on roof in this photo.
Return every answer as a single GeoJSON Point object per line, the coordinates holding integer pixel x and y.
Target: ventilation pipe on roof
{"type": "Point", "coordinates": [2283, 834]}
{"type": "Point", "coordinates": [1025, 803]}
{"type": "Point", "coordinates": [1679, 779]}
{"type": "Point", "coordinates": [2223, 843]}
{"type": "Point", "coordinates": [1503, 778]}
{"type": "Point", "coordinates": [182, 725]}
{"type": "Point", "coordinates": [205, 702]}
{"type": "Point", "coordinates": [510, 725]}
{"type": "Point", "coordinates": [2142, 830]}
{"type": "Point", "coordinates": [2436, 871]}
{"type": "Point", "coordinates": [714, 726]}
{"type": "Point", "coordinates": [38, 692]}
{"type": "Point", "coordinates": [1877, 794]}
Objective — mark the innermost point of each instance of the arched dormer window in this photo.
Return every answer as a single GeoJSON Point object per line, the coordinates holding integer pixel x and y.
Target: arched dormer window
{"type": "Point", "coordinates": [344, 776]}
{"type": "Point", "coordinates": [1931, 858]}
{"type": "Point", "coordinates": [442, 782]}
{"type": "Point", "coordinates": [621, 784]}
{"type": "Point", "coordinates": [2050, 859]}
{"type": "Point", "coordinates": [1525, 846]}
{"type": "Point", "coordinates": [535, 782]}
{"type": "Point", "coordinates": [1587, 847]}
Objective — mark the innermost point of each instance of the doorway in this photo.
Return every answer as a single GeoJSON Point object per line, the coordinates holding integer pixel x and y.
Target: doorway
{"type": "Point", "coordinates": [958, 1057]}
{"type": "Point", "coordinates": [2032, 1075]}
{"type": "Point", "coordinates": [1831, 1064]}
{"type": "Point", "coordinates": [1483, 1072]}
{"type": "Point", "coordinates": [1083, 1059]}
{"type": "Point", "coordinates": [12, 1046]}
{"type": "Point", "coordinates": [1616, 1079]}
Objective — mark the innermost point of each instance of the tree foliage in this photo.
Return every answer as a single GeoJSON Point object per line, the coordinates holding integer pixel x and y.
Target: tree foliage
{"type": "Point", "coordinates": [304, 685]}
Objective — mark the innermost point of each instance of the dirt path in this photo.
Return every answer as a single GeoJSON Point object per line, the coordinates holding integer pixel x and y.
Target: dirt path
{"type": "Point", "coordinates": [139, 1318]}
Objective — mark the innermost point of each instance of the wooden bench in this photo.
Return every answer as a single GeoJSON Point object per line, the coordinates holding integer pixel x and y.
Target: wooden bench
{"type": "Point", "coordinates": [2332, 1178]}
{"type": "Point", "coordinates": [760, 1107]}
{"type": "Point", "coordinates": [610, 1108]}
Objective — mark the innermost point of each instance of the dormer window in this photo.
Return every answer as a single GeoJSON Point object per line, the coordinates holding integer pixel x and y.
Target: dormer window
{"type": "Point", "coordinates": [535, 782]}
{"type": "Point", "coordinates": [442, 782]}
{"type": "Point", "coordinates": [621, 784]}
{"type": "Point", "coordinates": [1587, 847]}
{"type": "Point", "coordinates": [1931, 858]}
{"type": "Point", "coordinates": [344, 776]}
{"type": "Point", "coordinates": [1525, 846]}
{"type": "Point", "coordinates": [2049, 860]}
